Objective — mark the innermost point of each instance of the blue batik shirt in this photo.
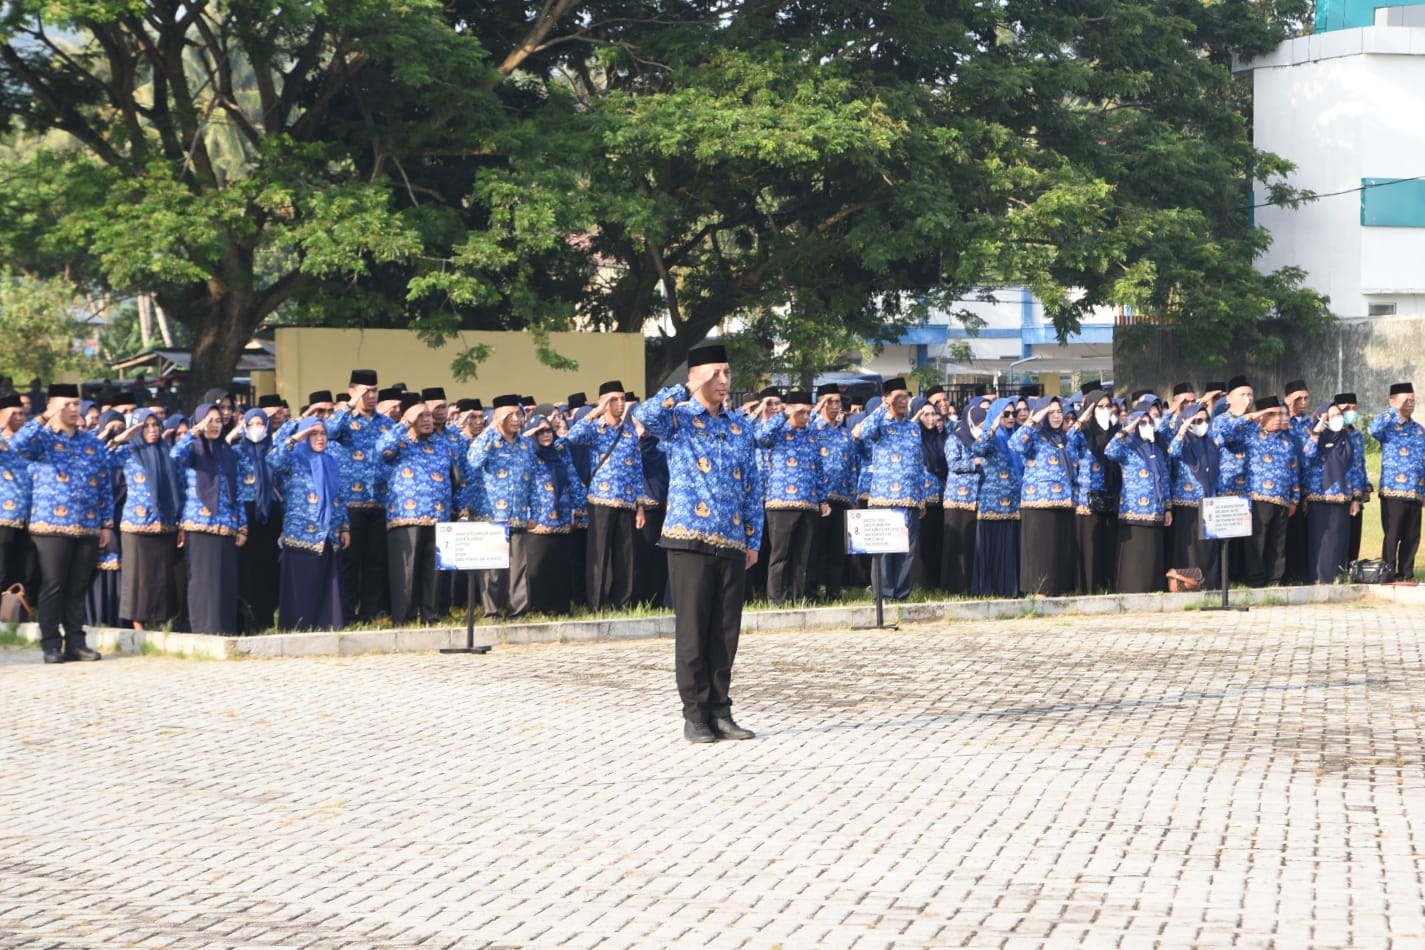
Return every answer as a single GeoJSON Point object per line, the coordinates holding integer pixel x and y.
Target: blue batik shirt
{"type": "Point", "coordinates": [795, 480]}
{"type": "Point", "coordinates": [838, 461]}
{"type": "Point", "coordinates": [363, 476]}
{"type": "Point", "coordinates": [231, 516]}
{"type": "Point", "coordinates": [897, 459]}
{"type": "Point", "coordinates": [301, 524]}
{"type": "Point", "coordinates": [142, 514]}
{"type": "Point", "coordinates": [1147, 488]}
{"type": "Point", "coordinates": [618, 481]}
{"type": "Point", "coordinates": [71, 489]}
{"type": "Point", "coordinates": [14, 486]}
{"type": "Point", "coordinates": [1402, 455]}
{"type": "Point", "coordinates": [999, 478]}
{"type": "Point", "coordinates": [714, 495]}
{"type": "Point", "coordinates": [1273, 471]}
{"type": "Point", "coordinates": [962, 485]}
{"type": "Point", "coordinates": [1232, 432]}
{"type": "Point", "coordinates": [1187, 490]}
{"type": "Point", "coordinates": [1092, 475]}
{"type": "Point", "coordinates": [1048, 479]}
{"type": "Point", "coordinates": [504, 468]}
{"type": "Point", "coordinates": [551, 511]}
{"type": "Point", "coordinates": [419, 476]}
{"type": "Point", "coordinates": [1349, 487]}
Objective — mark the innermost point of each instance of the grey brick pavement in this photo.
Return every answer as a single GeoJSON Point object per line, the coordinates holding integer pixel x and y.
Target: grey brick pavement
{"type": "Point", "coordinates": [1166, 780]}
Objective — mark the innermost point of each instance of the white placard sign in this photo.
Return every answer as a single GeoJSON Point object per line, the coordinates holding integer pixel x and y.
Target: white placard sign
{"type": "Point", "coordinates": [472, 546]}
{"type": "Point", "coordinates": [877, 531]}
{"type": "Point", "coordinates": [1227, 516]}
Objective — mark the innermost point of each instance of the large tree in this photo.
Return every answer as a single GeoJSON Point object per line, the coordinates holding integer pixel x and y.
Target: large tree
{"type": "Point", "coordinates": [607, 163]}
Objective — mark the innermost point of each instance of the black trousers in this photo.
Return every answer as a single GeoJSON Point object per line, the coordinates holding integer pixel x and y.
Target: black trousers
{"type": "Point", "coordinates": [925, 572]}
{"type": "Point", "coordinates": [364, 581]}
{"type": "Point", "coordinates": [650, 576]}
{"type": "Point", "coordinates": [1098, 552]}
{"type": "Point", "coordinates": [259, 575]}
{"type": "Point", "coordinates": [790, 533]}
{"type": "Point", "coordinates": [1265, 552]}
{"type": "Point", "coordinates": [495, 593]}
{"type": "Point", "coordinates": [707, 607]}
{"type": "Point", "coordinates": [611, 556]}
{"type": "Point", "coordinates": [957, 550]}
{"type": "Point", "coordinates": [17, 560]}
{"type": "Point", "coordinates": [1357, 522]}
{"type": "Point", "coordinates": [410, 567]}
{"type": "Point", "coordinates": [546, 572]}
{"type": "Point", "coordinates": [67, 567]}
{"type": "Point", "coordinates": [1400, 517]}
{"type": "Point", "coordinates": [828, 554]}
{"type": "Point", "coordinates": [1298, 569]}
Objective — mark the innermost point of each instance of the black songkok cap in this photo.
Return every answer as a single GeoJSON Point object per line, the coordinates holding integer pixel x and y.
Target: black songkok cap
{"type": "Point", "coordinates": [528, 401]}
{"type": "Point", "coordinates": [126, 397]}
{"type": "Point", "coordinates": [1342, 399]}
{"type": "Point", "coordinates": [893, 384]}
{"type": "Point", "coordinates": [269, 402]}
{"type": "Point", "coordinates": [799, 397]}
{"type": "Point", "coordinates": [1215, 387]}
{"type": "Point", "coordinates": [1031, 390]}
{"type": "Point", "coordinates": [828, 389]}
{"type": "Point", "coordinates": [511, 400]}
{"type": "Point", "coordinates": [399, 387]}
{"type": "Point", "coordinates": [1295, 386]}
{"type": "Point", "coordinates": [769, 392]}
{"type": "Point", "coordinates": [71, 391]}
{"type": "Point", "coordinates": [433, 392]}
{"type": "Point", "coordinates": [321, 395]}
{"type": "Point", "coordinates": [576, 400]}
{"type": "Point", "coordinates": [1237, 382]}
{"type": "Point", "coordinates": [612, 386]}
{"type": "Point", "coordinates": [630, 396]}
{"type": "Point", "coordinates": [363, 377]}
{"type": "Point", "coordinates": [934, 391]}
{"type": "Point", "coordinates": [388, 394]}
{"type": "Point", "coordinates": [1087, 388]}
{"type": "Point", "coordinates": [464, 405]}
{"type": "Point", "coordinates": [1269, 402]}
{"type": "Point", "coordinates": [713, 353]}
{"type": "Point", "coordinates": [1181, 388]}
{"type": "Point", "coordinates": [342, 397]}
{"type": "Point", "coordinates": [10, 401]}
{"type": "Point", "coordinates": [408, 400]}
{"type": "Point", "coordinates": [1395, 389]}
{"type": "Point", "coordinates": [477, 407]}
{"type": "Point", "coordinates": [1139, 394]}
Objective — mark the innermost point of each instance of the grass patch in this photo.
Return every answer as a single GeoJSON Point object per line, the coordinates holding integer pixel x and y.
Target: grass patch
{"type": "Point", "coordinates": [10, 636]}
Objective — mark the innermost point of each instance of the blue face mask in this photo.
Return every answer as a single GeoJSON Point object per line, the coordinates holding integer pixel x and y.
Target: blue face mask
{"type": "Point", "coordinates": [1350, 416]}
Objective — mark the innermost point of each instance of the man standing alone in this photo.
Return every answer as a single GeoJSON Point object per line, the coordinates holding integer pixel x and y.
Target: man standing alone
{"type": "Point", "coordinates": [712, 533]}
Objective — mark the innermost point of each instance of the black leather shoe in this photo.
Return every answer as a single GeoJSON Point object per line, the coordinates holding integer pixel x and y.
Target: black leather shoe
{"type": "Point", "coordinates": [83, 653]}
{"type": "Point", "coordinates": [54, 656]}
{"type": "Point", "coordinates": [698, 732]}
{"type": "Point", "coordinates": [727, 729]}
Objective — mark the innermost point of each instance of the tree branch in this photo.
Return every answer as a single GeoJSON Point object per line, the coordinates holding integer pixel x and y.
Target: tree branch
{"type": "Point", "coordinates": [68, 118]}
{"type": "Point", "coordinates": [549, 16]}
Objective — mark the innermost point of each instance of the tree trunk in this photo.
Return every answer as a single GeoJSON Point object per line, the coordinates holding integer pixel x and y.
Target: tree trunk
{"type": "Point", "coordinates": [221, 325]}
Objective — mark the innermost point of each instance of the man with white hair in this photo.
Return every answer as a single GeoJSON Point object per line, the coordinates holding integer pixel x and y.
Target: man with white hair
{"type": "Point", "coordinates": [502, 459]}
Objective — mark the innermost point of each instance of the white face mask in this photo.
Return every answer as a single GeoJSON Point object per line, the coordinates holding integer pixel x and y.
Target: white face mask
{"type": "Point", "coordinates": [256, 433]}
{"type": "Point", "coordinates": [1104, 418]}
{"type": "Point", "coordinates": [1335, 423]}
{"type": "Point", "coordinates": [1198, 429]}
{"type": "Point", "coordinates": [1145, 431]}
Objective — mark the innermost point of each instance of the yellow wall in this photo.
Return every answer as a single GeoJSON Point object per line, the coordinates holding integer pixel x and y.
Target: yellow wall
{"type": "Point", "coordinates": [311, 358]}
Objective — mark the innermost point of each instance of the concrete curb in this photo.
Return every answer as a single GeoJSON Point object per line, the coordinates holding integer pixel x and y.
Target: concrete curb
{"type": "Point", "coordinates": [427, 639]}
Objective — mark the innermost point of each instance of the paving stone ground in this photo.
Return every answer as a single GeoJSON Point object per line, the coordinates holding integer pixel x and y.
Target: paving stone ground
{"type": "Point", "coordinates": [1168, 780]}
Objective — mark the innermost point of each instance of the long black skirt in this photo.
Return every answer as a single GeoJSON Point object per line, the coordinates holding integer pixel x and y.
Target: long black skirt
{"type": "Point", "coordinates": [1187, 548]}
{"type": "Point", "coordinates": [957, 556]}
{"type": "Point", "coordinates": [212, 583]}
{"type": "Point", "coordinates": [149, 590]}
{"type": "Point", "coordinates": [1048, 551]}
{"type": "Point", "coordinates": [101, 604]}
{"type": "Point", "coordinates": [1098, 552]}
{"type": "Point", "coordinates": [1140, 558]}
{"type": "Point", "coordinates": [1328, 540]}
{"type": "Point", "coordinates": [996, 559]}
{"type": "Point", "coordinates": [925, 571]}
{"type": "Point", "coordinates": [546, 559]}
{"type": "Point", "coordinates": [259, 575]}
{"type": "Point", "coordinates": [311, 590]}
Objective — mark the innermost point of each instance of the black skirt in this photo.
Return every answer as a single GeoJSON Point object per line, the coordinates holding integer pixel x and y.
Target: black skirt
{"type": "Point", "coordinates": [1098, 552]}
{"type": "Point", "coordinates": [149, 589]}
{"type": "Point", "coordinates": [996, 559]}
{"type": "Point", "coordinates": [957, 557]}
{"type": "Point", "coordinates": [547, 569]}
{"type": "Point", "coordinates": [1140, 558]}
{"type": "Point", "coordinates": [311, 590]}
{"type": "Point", "coordinates": [1328, 540]}
{"type": "Point", "coordinates": [212, 583]}
{"type": "Point", "coordinates": [1048, 551]}
{"type": "Point", "coordinates": [1186, 547]}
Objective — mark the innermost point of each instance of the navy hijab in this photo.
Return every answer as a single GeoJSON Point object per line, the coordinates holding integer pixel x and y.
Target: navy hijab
{"type": "Point", "coordinates": [157, 464]}
{"type": "Point", "coordinates": [1337, 452]}
{"type": "Point", "coordinates": [1152, 454]}
{"type": "Point", "coordinates": [265, 493]}
{"type": "Point", "coordinates": [324, 470]}
{"type": "Point", "coordinates": [214, 461]}
{"type": "Point", "coordinates": [1201, 454]}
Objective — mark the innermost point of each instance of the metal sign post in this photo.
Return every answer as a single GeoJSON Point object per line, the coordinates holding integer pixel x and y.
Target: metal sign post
{"type": "Point", "coordinates": [877, 532]}
{"type": "Point", "coordinates": [1223, 518]}
{"type": "Point", "coordinates": [471, 546]}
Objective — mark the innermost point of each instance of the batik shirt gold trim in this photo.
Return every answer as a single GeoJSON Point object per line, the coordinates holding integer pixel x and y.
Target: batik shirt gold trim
{"type": "Point", "coordinates": [618, 482]}
{"type": "Point", "coordinates": [504, 468]}
{"type": "Point", "coordinates": [14, 486]}
{"type": "Point", "coordinates": [1402, 455]}
{"type": "Point", "coordinates": [231, 515]}
{"type": "Point", "coordinates": [897, 460]}
{"type": "Point", "coordinates": [419, 477]}
{"type": "Point", "coordinates": [795, 478]}
{"type": "Point", "coordinates": [301, 527]}
{"type": "Point", "coordinates": [362, 473]}
{"type": "Point", "coordinates": [72, 491]}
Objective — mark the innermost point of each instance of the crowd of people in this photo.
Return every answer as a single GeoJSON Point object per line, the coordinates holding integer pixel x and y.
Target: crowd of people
{"type": "Point", "coordinates": [124, 511]}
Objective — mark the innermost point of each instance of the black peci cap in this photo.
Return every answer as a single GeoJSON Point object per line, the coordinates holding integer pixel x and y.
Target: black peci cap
{"type": "Point", "coordinates": [433, 392]}
{"type": "Point", "coordinates": [1181, 388]}
{"type": "Point", "coordinates": [270, 401]}
{"type": "Point", "coordinates": [894, 384]}
{"type": "Point", "coordinates": [363, 377]}
{"type": "Point", "coordinates": [321, 395]}
{"type": "Point", "coordinates": [1295, 386]}
{"type": "Point", "coordinates": [798, 397]}
{"type": "Point", "coordinates": [1237, 382]}
{"type": "Point", "coordinates": [408, 400]}
{"type": "Point", "coordinates": [1397, 388]}
{"type": "Point", "coordinates": [1343, 399]}
{"type": "Point", "coordinates": [63, 391]}
{"type": "Point", "coordinates": [576, 400]}
{"type": "Point", "coordinates": [1269, 402]}
{"type": "Point", "coordinates": [510, 400]}
{"type": "Point", "coordinates": [712, 353]}
{"type": "Point", "coordinates": [612, 386]}
{"type": "Point", "coordinates": [827, 389]}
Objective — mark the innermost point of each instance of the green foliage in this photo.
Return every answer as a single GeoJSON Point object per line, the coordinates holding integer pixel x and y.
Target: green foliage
{"type": "Point", "coordinates": [38, 328]}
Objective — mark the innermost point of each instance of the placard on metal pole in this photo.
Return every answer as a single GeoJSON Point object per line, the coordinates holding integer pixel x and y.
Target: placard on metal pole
{"type": "Point", "coordinates": [471, 546]}
{"type": "Point", "coordinates": [877, 532]}
{"type": "Point", "coordinates": [1224, 518]}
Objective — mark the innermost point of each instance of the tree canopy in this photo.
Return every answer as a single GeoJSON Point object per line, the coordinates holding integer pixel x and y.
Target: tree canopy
{"type": "Point", "coordinates": [823, 167]}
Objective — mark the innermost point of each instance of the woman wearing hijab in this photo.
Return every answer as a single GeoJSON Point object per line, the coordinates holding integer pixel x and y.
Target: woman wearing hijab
{"type": "Point", "coordinates": [1097, 489]}
{"type": "Point", "coordinates": [175, 427]}
{"type": "Point", "coordinates": [1335, 484]}
{"type": "Point", "coordinates": [1143, 510]}
{"type": "Point", "coordinates": [996, 559]}
{"type": "Point", "coordinates": [1196, 456]}
{"type": "Point", "coordinates": [650, 577]}
{"type": "Point", "coordinates": [214, 523]}
{"type": "Point", "coordinates": [961, 498]}
{"type": "Point", "coordinates": [926, 572]}
{"type": "Point", "coordinates": [153, 503]}
{"type": "Point", "coordinates": [555, 494]}
{"type": "Point", "coordinates": [259, 574]}
{"type": "Point", "coordinates": [1047, 548]}
{"type": "Point", "coordinates": [307, 469]}
{"type": "Point", "coordinates": [102, 603]}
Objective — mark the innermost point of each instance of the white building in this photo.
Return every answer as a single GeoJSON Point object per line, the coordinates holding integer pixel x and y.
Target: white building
{"type": "Point", "coordinates": [1346, 105]}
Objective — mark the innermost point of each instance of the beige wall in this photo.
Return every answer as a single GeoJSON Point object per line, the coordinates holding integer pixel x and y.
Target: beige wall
{"type": "Point", "coordinates": [310, 358]}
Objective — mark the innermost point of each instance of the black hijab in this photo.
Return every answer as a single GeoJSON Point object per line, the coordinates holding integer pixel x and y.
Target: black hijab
{"type": "Point", "coordinates": [1201, 454]}
{"type": "Point", "coordinates": [214, 461]}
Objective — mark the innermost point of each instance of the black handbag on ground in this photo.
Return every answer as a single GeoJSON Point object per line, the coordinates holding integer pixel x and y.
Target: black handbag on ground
{"type": "Point", "coordinates": [1103, 502]}
{"type": "Point", "coordinates": [1371, 572]}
